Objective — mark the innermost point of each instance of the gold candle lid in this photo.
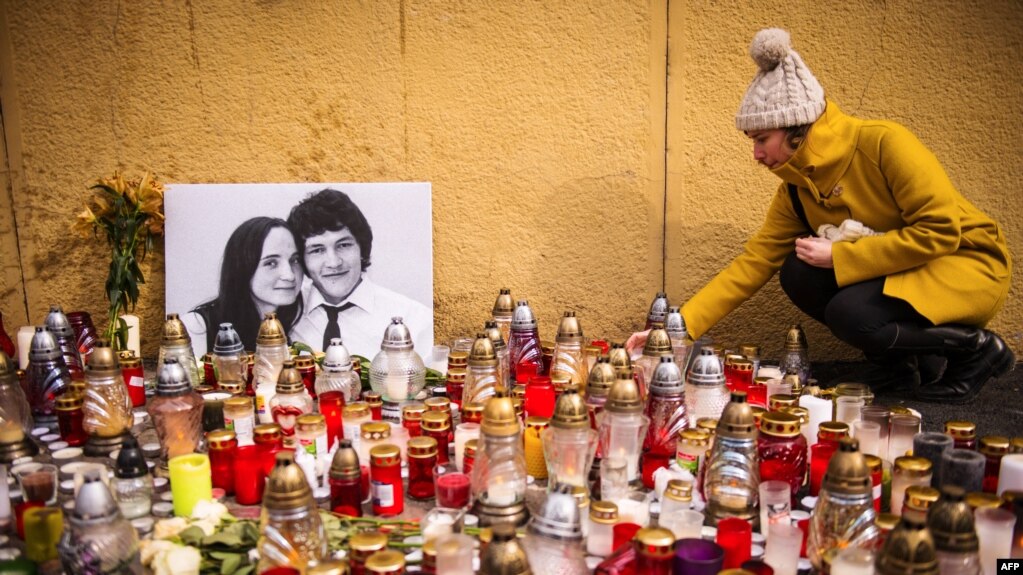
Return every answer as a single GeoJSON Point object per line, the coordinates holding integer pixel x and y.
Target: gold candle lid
{"type": "Point", "coordinates": [801, 412]}
{"type": "Point", "coordinates": [504, 307]}
{"type": "Point", "coordinates": [737, 419]}
{"type": "Point", "coordinates": [128, 360]}
{"type": "Point", "coordinates": [345, 464]}
{"type": "Point", "coordinates": [780, 424]}
{"type": "Point", "coordinates": [994, 445]}
{"type": "Point", "coordinates": [375, 430]}
{"type": "Point", "coordinates": [908, 550]}
{"type": "Point", "coordinates": [749, 350]}
{"type": "Point", "coordinates": [847, 471]}
{"type": "Point", "coordinates": [795, 339]}
{"type": "Point", "coordinates": [422, 447]}
{"type": "Point", "coordinates": [338, 567]}
{"type": "Point", "coordinates": [436, 421]}
{"type": "Point", "coordinates": [833, 430]}
{"type": "Point", "coordinates": [373, 399]}
{"type": "Point", "coordinates": [708, 424]}
{"type": "Point", "coordinates": [456, 374]}
{"type": "Point", "coordinates": [174, 332]}
{"type": "Point", "coordinates": [355, 410]}
{"type": "Point", "coordinates": [385, 455]}
{"type": "Point", "coordinates": [503, 555]}
{"type": "Point", "coordinates": [570, 411]}
{"type": "Point", "coordinates": [70, 401]}
{"type": "Point", "coordinates": [624, 395]}
{"type": "Point", "coordinates": [271, 332]}
{"type": "Point", "coordinates": [618, 357]}
{"type": "Point", "coordinates": [1016, 445]}
{"type": "Point", "coordinates": [310, 419]}
{"type": "Point", "coordinates": [457, 358]}
{"type": "Point", "coordinates": [742, 364]}
{"type": "Point", "coordinates": [290, 380]}
{"type": "Point", "coordinates": [238, 402]}
{"type": "Point", "coordinates": [499, 417]}
{"type": "Point", "coordinates": [658, 343]}
{"type": "Point", "coordinates": [604, 512]}
{"type": "Point", "coordinates": [537, 422]}
{"type": "Point", "coordinates": [413, 412]}
{"type": "Point", "coordinates": [921, 497]}
{"type": "Point", "coordinates": [220, 438]}
{"type": "Point", "coordinates": [232, 387]}
{"type": "Point", "coordinates": [886, 521]}
{"type": "Point", "coordinates": [912, 466]}
{"type": "Point", "coordinates": [547, 348]}
{"type": "Point", "coordinates": [103, 361]}
{"type": "Point", "coordinates": [367, 542]}
{"type": "Point", "coordinates": [304, 362]}
{"type": "Point", "coordinates": [438, 404]}
{"type": "Point", "coordinates": [471, 446]}
{"type": "Point", "coordinates": [519, 391]}
{"type": "Point", "coordinates": [482, 353]}
{"type": "Point", "coordinates": [679, 490]}
{"type": "Point", "coordinates": [874, 463]}
{"type": "Point", "coordinates": [951, 522]}
{"type": "Point", "coordinates": [287, 487]}
{"type": "Point", "coordinates": [696, 437]}
{"type": "Point", "coordinates": [981, 500]}
{"type": "Point", "coordinates": [782, 400]}
{"type": "Point", "coordinates": [472, 412]}
{"type": "Point", "coordinates": [601, 378]}
{"type": "Point", "coordinates": [961, 429]}
{"type": "Point", "coordinates": [569, 330]}
{"type": "Point", "coordinates": [655, 542]}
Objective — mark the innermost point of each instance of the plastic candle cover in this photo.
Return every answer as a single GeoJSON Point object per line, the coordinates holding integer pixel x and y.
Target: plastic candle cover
{"type": "Point", "coordinates": [191, 482]}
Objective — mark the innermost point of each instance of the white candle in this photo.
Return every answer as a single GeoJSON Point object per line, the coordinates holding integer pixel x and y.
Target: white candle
{"type": "Point", "coordinates": [994, 532]}
{"type": "Point", "coordinates": [1010, 474]}
{"type": "Point", "coordinates": [853, 561]}
{"type": "Point", "coordinates": [500, 494]}
{"type": "Point", "coordinates": [820, 411]}
{"type": "Point", "coordinates": [5, 500]}
{"type": "Point", "coordinates": [134, 330]}
{"type": "Point", "coordinates": [464, 432]}
{"type": "Point", "coordinates": [25, 334]}
{"type": "Point", "coordinates": [396, 387]}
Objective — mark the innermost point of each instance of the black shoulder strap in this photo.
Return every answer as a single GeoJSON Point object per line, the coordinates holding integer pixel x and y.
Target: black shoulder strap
{"type": "Point", "coordinates": [798, 206]}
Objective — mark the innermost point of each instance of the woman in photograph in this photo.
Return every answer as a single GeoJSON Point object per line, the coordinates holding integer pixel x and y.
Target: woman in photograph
{"type": "Point", "coordinates": [261, 272]}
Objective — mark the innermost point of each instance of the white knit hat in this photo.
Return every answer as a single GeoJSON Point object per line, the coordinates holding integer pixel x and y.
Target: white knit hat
{"type": "Point", "coordinates": [784, 92]}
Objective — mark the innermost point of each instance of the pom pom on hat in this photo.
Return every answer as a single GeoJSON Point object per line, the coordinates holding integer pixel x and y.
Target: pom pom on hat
{"type": "Point", "coordinates": [769, 48]}
{"type": "Point", "coordinates": [784, 93]}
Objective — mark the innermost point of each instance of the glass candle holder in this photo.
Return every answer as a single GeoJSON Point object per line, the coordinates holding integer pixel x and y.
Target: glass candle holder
{"type": "Point", "coordinates": [882, 416]}
{"type": "Point", "coordinates": [775, 505]}
{"type": "Point", "coordinates": [868, 433]}
{"type": "Point", "coordinates": [452, 486]}
{"type": "Point", "coordinates": [932, 445]}
{"type": "Point", "coordinates": [223, 447]}
{"type": "Point", "coordinates": [602, 518]}
{"type": "Point", "coordinates": [820, 456]}
{"type": "Point", "coordinates": [993, 447]}
{"type": "Point", "coordinates": [853, 561]}
{"type": "Point", "coordinates": [422, 457]}
{"type": "Point", "coordinates": [735, 537]}
{"type": "Point", "coordinates": [777, 387]}
{"type": "Point", "coordinates": [994, 532]}
{"type": "Point", "coordinates": [38, 482]}
{"type": "Point", "coordinates": [441, 521]}
{"type": "Point", "coordinates": [698, 557]}
{"type": "Point", "coordinates": [1010, 475]}
{"type": "Point", "coordinates": [848, 408]}
{"type": "Point", "coordinates": [908, 471]}
{"type": "Point", "coordinates": [614, 478]}
{"type": "Point", "coordinates": [684, 523]}
{"type": "Point", "coordinates": [249, 476]}
{"type": "Point", "coordinates": [904, 429]}
{"type": "Point", "coordinates": [782, 450]}
{"type": "Point", "coordinates": [782, 551]}
{"type": "Point", "coordinates": [455, 553]}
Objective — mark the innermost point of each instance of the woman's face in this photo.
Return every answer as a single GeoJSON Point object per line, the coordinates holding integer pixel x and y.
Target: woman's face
{"type": "Point", "coordinates": [769, 147]}
{"type": "Point", "coordinates": [278, 276]}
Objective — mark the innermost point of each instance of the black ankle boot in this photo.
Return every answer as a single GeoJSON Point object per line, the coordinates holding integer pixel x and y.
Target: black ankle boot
{"type": "Point", "coordinates": [974, 356]}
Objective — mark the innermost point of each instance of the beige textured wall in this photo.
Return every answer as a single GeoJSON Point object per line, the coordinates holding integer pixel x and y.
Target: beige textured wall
{"type": "Point", "coordinates": [951, 71]}
{"type": "Point", "coordinates": [540, 124]}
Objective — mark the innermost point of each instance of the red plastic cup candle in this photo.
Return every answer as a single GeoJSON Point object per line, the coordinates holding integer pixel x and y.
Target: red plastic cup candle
{"type": "Point", "coordinates": [539, 400]}
{"type": "Point", "coordinates": [820, 456]}
{"type": "Point", "coordinates": [332, 403]}
{"type": "Point", "coordinates": [249, 476]}
{"type": "Point", "coordinates": [735, 536]}
{"type": "Point", "coordinates": [452, 486]}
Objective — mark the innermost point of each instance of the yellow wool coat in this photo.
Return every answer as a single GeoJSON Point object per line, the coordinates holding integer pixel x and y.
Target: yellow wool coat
{"type": "Point", "coordinates": [941, 254]}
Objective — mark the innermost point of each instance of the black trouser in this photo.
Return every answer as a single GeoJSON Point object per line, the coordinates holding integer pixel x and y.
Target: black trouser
{"type": "Point", "coordinates": [859, 314]}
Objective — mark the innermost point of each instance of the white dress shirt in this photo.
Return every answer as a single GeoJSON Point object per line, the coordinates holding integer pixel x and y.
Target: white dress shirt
{"type": "Point", "coordinates": [363, 324]}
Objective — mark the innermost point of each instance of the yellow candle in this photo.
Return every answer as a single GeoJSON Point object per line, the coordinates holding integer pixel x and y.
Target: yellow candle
{"type": "Point", "coordinates": [191, 481]}
{"type": "Point", "coordinates": [536, 464]}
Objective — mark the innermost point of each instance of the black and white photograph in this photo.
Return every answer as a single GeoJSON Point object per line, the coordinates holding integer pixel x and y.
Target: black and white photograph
{"type": "Point", "coordinates": [331, 260]}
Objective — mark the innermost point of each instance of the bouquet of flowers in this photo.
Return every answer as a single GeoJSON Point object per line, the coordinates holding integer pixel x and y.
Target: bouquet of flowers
{"type": "Point", "coordinates": [130, 215]}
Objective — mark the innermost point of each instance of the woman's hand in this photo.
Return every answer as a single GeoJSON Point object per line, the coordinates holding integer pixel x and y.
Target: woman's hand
{"type": "Point", "coordinates": [815, 251]}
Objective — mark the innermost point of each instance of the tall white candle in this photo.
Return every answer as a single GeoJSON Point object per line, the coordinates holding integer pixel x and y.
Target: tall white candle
{"type": "Point", "coordinates": [25, 334]}
{"type": "Point", "coordinates": [463, 434]}
{"type": "Point", "coordinates": [820, 411]}
{"type": "Point", "coordinates": [1010, 474]}
{"type": "Point", "coordinates": [134, 333]}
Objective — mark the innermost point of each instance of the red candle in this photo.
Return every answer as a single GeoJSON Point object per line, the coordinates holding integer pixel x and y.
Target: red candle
{"type": "Point", "coordinates": [346, 496]}
{"type": "Point", "coordinates": [422, 456]}
{"type": "Point", "coordinates": [623, 533]}
{"type": "Point", "coordinates": [412, 419]}
{"type": "Point", "coordinates": [249, 476]}
{"type": "Point", "coordinates": [782, 449]}
{"type": "Point", "coordinates": [376, 405]}
{"type": "Point", "coordinates": [735, 537]}
{"type": "Point", "coordinates": [134, 379]}
{"type": "Point", "coordinates": [70, 418]}
{"type": "Point", "coordinates": [385, 478]}
{"type": "Point", "coordinates": [331, 405]}
{"type": "Point", "coordinates": [820, 456]}
{"type": "Point", "coordinates": [539, 400]}
{"type": "Point", "coordinates": [223, 446]}
{"type": "Point", "coordinates": [453, 490]}
{"type": "Point", "coordinates": [307, 368]}
{"type": "Point", "coordinates": [437, 424]}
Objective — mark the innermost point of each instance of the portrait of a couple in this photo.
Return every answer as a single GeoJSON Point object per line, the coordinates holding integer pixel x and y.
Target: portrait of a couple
{"type": "Point", "coordinates": [311, 269]}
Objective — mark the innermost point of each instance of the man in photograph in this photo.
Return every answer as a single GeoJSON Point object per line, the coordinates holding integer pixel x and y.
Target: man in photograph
{"type": "Point", "coordinates": [335, 242]}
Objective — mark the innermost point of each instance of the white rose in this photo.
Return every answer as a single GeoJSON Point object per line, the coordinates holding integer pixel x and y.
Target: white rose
{"type": "Point", "coordinates": [167, 528]}
{"type": "Point", "coordinates": [181, 560]}
{"type": "Point", "coordinates": [150, 548]}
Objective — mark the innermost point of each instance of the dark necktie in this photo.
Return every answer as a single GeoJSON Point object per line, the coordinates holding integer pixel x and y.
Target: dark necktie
{"type": "Point", "coordinates": [333, 328]}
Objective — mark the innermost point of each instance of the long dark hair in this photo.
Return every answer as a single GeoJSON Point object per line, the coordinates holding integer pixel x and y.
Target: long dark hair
{"type": "Point", "coordinates": [234, 301]}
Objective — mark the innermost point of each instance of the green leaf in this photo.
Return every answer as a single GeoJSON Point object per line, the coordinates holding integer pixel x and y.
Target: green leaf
{"type": "Point", "coordinates": [192, 536]}
{"type": "Point", "coordinates": [230, 564]}
{"type": "Point", "coordinates": [245, 570]}
{"type": "Point", "coordinates": [225, 538]}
